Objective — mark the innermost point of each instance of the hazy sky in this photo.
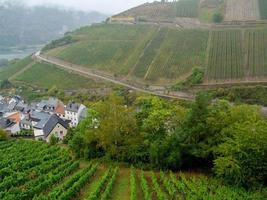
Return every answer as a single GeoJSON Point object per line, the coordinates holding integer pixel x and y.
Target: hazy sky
{"type": "Point", "coordinates": [105, 6]}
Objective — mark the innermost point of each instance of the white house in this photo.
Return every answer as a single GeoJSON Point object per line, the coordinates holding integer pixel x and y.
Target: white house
{"type": "Point", "coordinates": [74, 112]}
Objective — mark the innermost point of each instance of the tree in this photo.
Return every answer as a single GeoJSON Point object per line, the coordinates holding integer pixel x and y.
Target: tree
{"type": "Point", "coordinates": [158, 119]}
{"type": "Point", "coordinates": [3, 135]}
{"type": "Point", "coordinates": [53, 140]}
{"type": "Point", "coordinates": [5, 84]}
{"type": "Point", "coordinates": [217, 18]}
{"type": "Point", "coordinates": [242, 159]}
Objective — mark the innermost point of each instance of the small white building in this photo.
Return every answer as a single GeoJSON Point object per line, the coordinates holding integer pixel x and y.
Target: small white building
{"type": "Point", "coordinates": [74, 113]}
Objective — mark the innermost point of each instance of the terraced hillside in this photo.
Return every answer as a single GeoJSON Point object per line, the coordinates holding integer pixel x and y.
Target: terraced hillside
{"type": "Point", "coordinates": [148, 53]}
{"type": "Point", "coordinates": [237, 55]}
{"type": "Point", "coordinates": [36, 171]}
{"type": "Point", "coordinates": [158, 11]}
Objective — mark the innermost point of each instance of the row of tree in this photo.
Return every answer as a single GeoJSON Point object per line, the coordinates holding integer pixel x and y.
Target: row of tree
{"type": "Point", "coordinates": [228, 139]}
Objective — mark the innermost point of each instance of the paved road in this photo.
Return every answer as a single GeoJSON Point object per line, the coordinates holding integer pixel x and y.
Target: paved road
{"type": "Point", "coordinates": [89, 73]}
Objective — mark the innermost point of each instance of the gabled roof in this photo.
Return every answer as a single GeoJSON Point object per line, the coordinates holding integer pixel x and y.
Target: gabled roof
{"type": "Point", "coordinates": [40, 117]}
{"type": "Point", "coordinates": [51, 123]}
{"type": "Point", "coordinates": [15, 117]}
{"type": "Point", "coordinates": [73, 107]}
{"type": "Point", "coordinates": [60, 109]}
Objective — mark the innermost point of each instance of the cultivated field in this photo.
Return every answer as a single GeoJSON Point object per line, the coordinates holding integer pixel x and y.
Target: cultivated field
{"type": "Point", "coordinates": [111, 48]}
{"type": "Point", "coordinates": [237, 55]}
{"type": "Point", "coordinates": [47, 76]}
{"type": "Point", "coordinates": [242, 10]}
{"type": "Point", "coordinates": [187, 8]}
{"type": "Point", "coordinates": [225, 60]}
{"type": "Point", "coordinates": [34, 170]}
{"type": "Point", "coordinates": [256, 51]}
{"type": "Point", "coordinates": [180, 52]}
{"type": "Point", "coordinates": [148, 53]}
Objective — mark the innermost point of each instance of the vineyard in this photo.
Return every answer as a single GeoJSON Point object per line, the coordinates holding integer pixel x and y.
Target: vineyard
{"type": "Point", "coordinates": [256, 48]}
{"type": "Point", "coordinates": [180, 52]}
{"type": "Point", "coordinates": [111, 48]}
{"type": "Point", "coordinates": [239, 10]}
{"type": "Point", "coordinates": [236, 55]}
{"type": "Point", "coordinates": [150, 53]}
{"type": "Point", "coordinates": [34, 170]}
{"type": "Point", "coordinates": [187, 8]}
{"type": "Point", "coordinates": [225, 60]}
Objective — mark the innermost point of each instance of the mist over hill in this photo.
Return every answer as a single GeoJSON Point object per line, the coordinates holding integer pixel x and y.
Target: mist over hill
{"type": "Point", "coordinates": [21, 25]}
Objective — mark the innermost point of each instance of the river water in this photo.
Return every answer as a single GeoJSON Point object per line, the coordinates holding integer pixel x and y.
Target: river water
{"type": "Point", "coordinates": [18, 52]}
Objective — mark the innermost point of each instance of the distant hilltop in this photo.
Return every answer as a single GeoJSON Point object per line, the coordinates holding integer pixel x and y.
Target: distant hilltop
{"type": "Point", "coordinates": [21, 25]}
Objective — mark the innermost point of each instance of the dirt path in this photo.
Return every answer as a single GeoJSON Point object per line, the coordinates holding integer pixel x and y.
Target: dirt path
{"type": "Point", "coordinates": [21, 71]}
{"type": "Point", "coordinates": [93, 74]}
{"type": "Point", "coordinates": [121, 189]}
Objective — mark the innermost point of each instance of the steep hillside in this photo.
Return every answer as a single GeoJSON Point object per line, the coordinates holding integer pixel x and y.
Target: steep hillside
{"type": "Point", "coordinates": [159, 11]}
{"type": "Point", "coordinates": [45, 76]}
{"type": "Point", "coordinates": [144, 52]}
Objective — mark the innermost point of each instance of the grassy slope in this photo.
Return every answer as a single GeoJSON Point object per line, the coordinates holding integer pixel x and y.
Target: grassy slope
{"type": "Point", "coordinates": [179, 53]}
{"type": "Point", "coordinates": [112, 48]}
{"type": "Point", "coordinates": [13, 67]}
{"type": "Point", "coordinates": [47, 76]}
{"type": "Point", "coordinates": [141, 51]}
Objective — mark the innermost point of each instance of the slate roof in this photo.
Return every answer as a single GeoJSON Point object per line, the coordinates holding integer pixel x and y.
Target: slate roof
{"type": "Point", "coordinates": [73, 107]}
{"type": "Point", "coordinates": [51, 123]}
{"type": "Point", "coordinates": [5, 123]}
{"type": "Point", "coordinates": [40, 117]}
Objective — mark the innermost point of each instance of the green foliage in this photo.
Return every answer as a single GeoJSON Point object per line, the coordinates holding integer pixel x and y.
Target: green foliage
{"type": "Point", "coordinates": [68, 39]}
{"type": "Point", "coordinates": [107, 193]}
{"type": "Point", "coordinates": [160, 194]}
{"type": "Point", "coordinates": [145, 187]}
{"type": "Point", "coordinates": [53, 140]}
{"type": "Point", "coordinates": [196, 78]}
{"type": "Point", "coordinates": [251, 95]}
{"type": "Point", "coordinates": [133, 185]}
{"type": "Point", "coordinates": [5, 84]}
{"type": "Point", "coordinates": [242, 158]}
{"type": "Point", "coordinates": [217, 18]}
{"type": "Point", "coordinates": [33, 165]}
{"type": "Point", "coordinates": [3, 135]}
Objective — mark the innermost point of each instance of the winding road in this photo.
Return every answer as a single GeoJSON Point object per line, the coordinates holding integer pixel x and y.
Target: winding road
{"type": "Point", "coordinates": [90, 73]}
